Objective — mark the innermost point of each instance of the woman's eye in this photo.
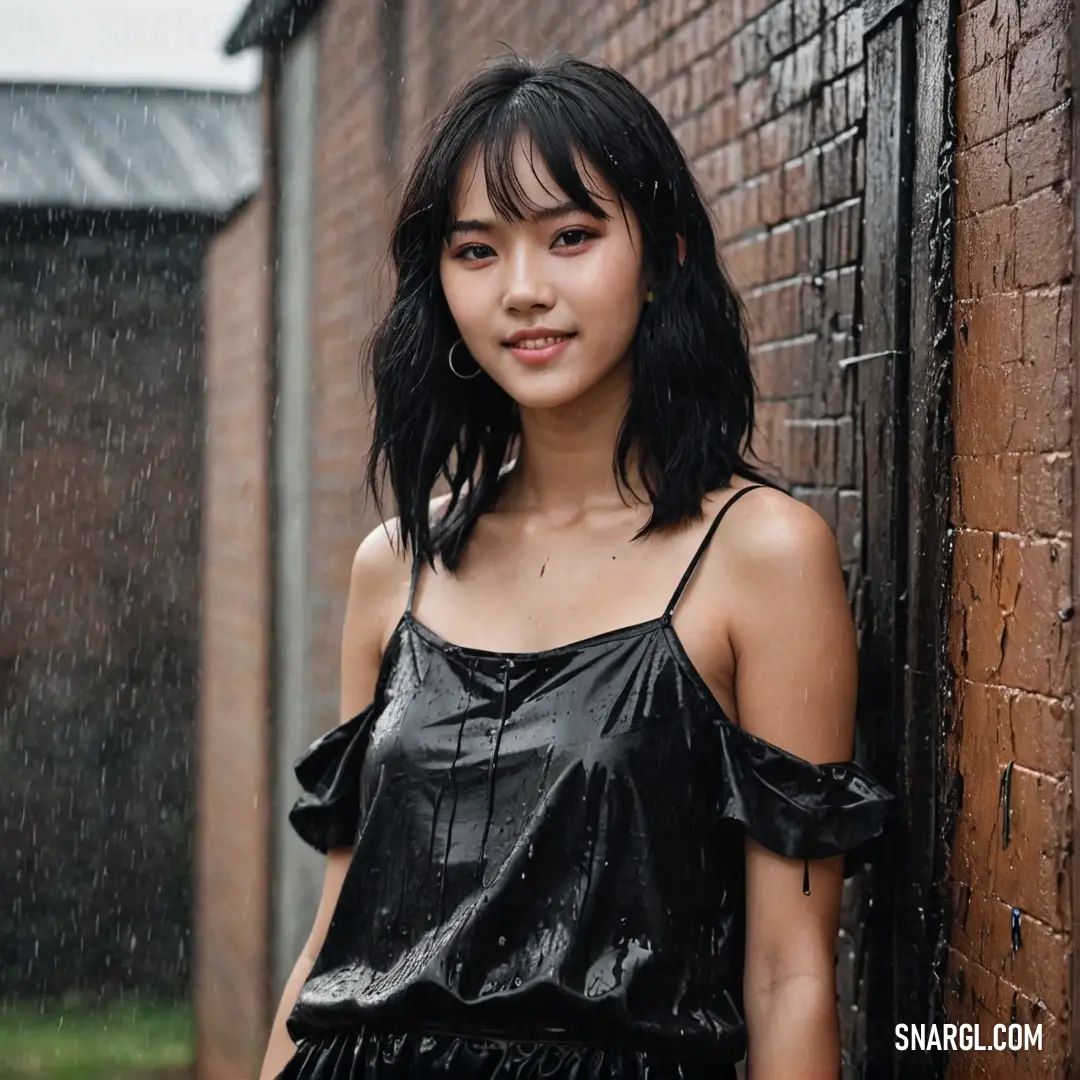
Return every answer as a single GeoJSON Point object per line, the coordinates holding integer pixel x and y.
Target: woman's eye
{"type": "Point", "coordinates": [471, 252]}
{"type": "Point", "coordinates": [573, 237]}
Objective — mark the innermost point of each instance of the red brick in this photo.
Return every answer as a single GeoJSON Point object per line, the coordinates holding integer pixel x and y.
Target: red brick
{"type": "Point", "coordinates": [753, 8]}
{"type": "Point", "coordinates": [982, 104]}
{"type": "Point", "coordinates": [1027, 870]}
{"type": "Point", "coordinates": [1005, 634]}
{"type": "Point", "coordinates": [1007, 725]}
{"type": "Point", "coordinates": [709, 78]}
{"type": "Point", "coordinates": [785, 369]}
{"type": "Point", "coordinates": [718, 123]}
{"type": "Point", "coordinates": [985, 34]}
{"type": "Point", "coordinates": [810, 238]}
{"type": "Point", "coordinates": [1017, 406]}
{"type": "Point", "coordinates": [1039, 968]}
{"type": "Point", "coordinates": [802, 185]}
{"type": "Point", "coordinates": [842, 228]}
{"type": "Point", "coordinates": [1038, 80]}
{"type": "Point", "coordinates": [781, 253]}
{"type": "Point", "coordinates": [738, 211]}
{"type": "Point", "coordinates": [1038, 153]}
{"type": "Point", "coordinates": [1044, 238]}
{"type": "Point", "coordinates": [983, 177]}
{"type": "Point", "coordinates": [985, 254]}
{"type": "Point", "coordinates": [991, 327]}
{"type": "Point", "coordinates": [974, 995]}
{"type": "Point", "coordinates": [843, 47]}
{"type": "Point", "coordinates": [838, 309]}
{"type": "Point", "coordinates": [804, 456]}
{"type": "Point", "coordinates": [1037, 14]}
{"type": "Point", "coordinates": [688, 133]}
{"type": "Point", "coordinates": [770, 436]}
{"type": "Point", "coordinates": [673, 98]}
{"type": "Point", "coordinates": [986, 492]}
{"type": "Point", "coordinates": [771, 199]}
{"type": "Point", "coordinates": [751, 154]}
{"type": "Point", "coordinates": [776, 141]}
{"type": "Point", "coordinates": [1046, 493]}
{"type": "Point", "coordinates": [720, 170]}
{"type": "Point", "coordinates": [746, 262]}
{"type": "Point", "coordinates": [777, 308]}
{"type": "Point", "coordinates": [832, 118]}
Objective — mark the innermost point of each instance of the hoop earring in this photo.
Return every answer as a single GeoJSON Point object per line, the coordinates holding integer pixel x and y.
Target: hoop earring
{"type": "Point", "coordinates": [450, 361]}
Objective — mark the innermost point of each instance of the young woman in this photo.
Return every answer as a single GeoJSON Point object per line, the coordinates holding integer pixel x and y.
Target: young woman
{"type": "Point", "coordinates": [574, 818]}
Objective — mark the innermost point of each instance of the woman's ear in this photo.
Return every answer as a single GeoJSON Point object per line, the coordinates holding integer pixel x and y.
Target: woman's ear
{"type": "Point", "coordinates": [680, 242]}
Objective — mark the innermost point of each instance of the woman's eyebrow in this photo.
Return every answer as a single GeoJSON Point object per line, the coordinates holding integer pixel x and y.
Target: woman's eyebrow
{"type": "Point", "coordinates": [544, 213]}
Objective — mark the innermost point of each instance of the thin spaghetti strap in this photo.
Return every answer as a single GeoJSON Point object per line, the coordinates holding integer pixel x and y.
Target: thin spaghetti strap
{"type": "Point", "coordinates": [689, 572]}
{"type": "Point", "coordinates": [414, 577]}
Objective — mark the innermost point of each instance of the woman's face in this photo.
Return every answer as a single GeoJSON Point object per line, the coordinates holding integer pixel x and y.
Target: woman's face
{"type": "Point", "coordinates": [547, 306]}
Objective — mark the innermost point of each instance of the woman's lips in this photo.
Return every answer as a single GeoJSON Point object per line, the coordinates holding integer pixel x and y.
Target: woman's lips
{"type": "Point", "coordinates": [540, 350]}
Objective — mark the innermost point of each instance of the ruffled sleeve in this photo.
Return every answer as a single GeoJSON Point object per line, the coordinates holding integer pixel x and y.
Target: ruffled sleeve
{"type": "Point", "coordinates": [797, 808]}
{"type": "Point", "coordinates": [327, 814]}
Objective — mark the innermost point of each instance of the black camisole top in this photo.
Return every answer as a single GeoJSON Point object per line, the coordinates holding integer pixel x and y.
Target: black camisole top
{"type": "Point", "coordinates": [548, 850]}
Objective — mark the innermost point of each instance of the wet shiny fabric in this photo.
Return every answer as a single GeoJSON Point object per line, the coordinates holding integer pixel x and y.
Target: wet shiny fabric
{"type": "Point", "coordinates": [403, 1056]}
{"type": "Point", "coordinates": [547, 877]}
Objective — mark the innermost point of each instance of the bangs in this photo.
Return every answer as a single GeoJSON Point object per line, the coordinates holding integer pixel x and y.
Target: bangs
{"type": "Point", "coordinates": [575, 138]}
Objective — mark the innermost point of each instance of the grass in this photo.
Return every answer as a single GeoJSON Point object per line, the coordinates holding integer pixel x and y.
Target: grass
{"type": "Point", "coordinates": [71, 1039]}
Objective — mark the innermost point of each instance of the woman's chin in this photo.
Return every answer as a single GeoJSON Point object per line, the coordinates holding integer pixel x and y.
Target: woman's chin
{"type": "Point", "coordinates": [552, 392]}
{"type": "Point", "coordinates": [553, 386]}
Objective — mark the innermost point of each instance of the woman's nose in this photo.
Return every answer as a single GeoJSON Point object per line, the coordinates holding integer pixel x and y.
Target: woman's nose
{"type": "Point", "coordinates": [527, 287]}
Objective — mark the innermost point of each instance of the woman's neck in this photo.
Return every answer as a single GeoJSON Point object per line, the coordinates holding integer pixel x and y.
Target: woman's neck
{"type": "Point", "coordinates": [565, 463]}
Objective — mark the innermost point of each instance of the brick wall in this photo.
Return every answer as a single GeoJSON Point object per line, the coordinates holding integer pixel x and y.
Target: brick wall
{"type": "Point", "coordinates": [1012, 510]}
{"type": "Point", "coordinates": [232, 839]}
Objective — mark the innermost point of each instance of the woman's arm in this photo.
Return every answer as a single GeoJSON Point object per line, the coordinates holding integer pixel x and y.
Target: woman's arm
{"type": "Point", "coordinates": [375, 586]}
{"type": "Point", "coordinates": [795, 686]}
{"type": "Point", "coordinates": [280, 1047]}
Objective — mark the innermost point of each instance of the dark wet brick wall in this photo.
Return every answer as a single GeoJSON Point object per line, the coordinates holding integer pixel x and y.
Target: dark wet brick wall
{"type": "Point", "coordinates": [1012, 508]}
{"type": "Point", "coordinates": [100, 445]}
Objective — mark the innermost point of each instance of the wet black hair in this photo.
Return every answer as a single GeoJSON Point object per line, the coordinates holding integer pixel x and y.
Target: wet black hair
{"type": "Point", "coordinates": [691, 410]}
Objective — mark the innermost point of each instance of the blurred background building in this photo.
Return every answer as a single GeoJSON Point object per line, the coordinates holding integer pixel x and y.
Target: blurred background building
{"type": "Point", "coordinates": [124, 142]}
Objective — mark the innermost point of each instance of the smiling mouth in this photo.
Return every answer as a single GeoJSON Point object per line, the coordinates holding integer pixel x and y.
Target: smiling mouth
{"type": "Point", "coordinates": [538, 343]}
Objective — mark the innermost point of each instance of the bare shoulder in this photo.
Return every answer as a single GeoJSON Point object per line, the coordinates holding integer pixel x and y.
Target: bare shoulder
{"type": "Point", "coordinates": [779, 577]}
{"type": "Point", "coordinates": [381, 567]}
{"type": "Point", "coordinates": [379, 560]}
{"type": "Point", "coordinates": [773, 536]}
